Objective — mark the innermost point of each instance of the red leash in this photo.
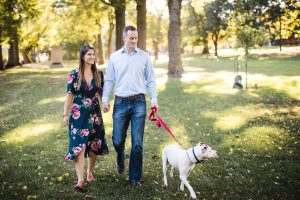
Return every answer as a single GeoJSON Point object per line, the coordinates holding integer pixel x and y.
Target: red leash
{"type": "Point", "coordinates": [160, 122]}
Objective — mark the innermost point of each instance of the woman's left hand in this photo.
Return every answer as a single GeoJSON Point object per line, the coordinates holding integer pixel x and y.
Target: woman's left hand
{"type": "Point", "coordinates": [66, 120]}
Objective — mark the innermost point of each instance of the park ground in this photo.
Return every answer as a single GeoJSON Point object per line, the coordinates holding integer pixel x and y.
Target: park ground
{"type": "Point", "coordinates": [256, 132]}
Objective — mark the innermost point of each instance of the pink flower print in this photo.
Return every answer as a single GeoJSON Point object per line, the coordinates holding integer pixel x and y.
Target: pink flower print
{"type": "Point", "coordinates": [85, 132]}
{"type": "Point", "coordinates": [87, 101]}
{"type": "Point", "coordinates": [76, 115]}
{"type": "Point", "coordinates": [75, 85]}
{"type": "Point", "coordinates": [68, 156]}
{"type": "Point", "coordinates": [76, 150]}
{"type": "Point", "coordinates": [75, 107]}
{"type": "Point", "coordinates": [74, 131]}
{"type": "Point", "coordinates": [70, 78]}
{"type": "Point", "coordinates": [89, 87]}
{"type": "Point", "coordinates": [96, 145]}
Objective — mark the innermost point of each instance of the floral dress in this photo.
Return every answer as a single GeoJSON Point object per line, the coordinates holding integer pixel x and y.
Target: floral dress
{"type": "Point", "coordinates": [86, 127]}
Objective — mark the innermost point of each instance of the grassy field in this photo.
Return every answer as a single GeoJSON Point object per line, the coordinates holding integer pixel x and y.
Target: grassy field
{"type": "Point", "coordinates": [255, 131]}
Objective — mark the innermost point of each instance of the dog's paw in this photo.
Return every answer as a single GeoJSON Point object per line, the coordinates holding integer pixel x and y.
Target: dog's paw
{"type": "Point", "coordinates": [172, 172]}
{"type": "Point", "coordinates": [193, 196]}
{"type": "Point", "coordinates": [181, 186]}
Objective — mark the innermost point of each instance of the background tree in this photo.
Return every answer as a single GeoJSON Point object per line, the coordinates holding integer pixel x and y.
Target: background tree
{"type": "Point", "coordinates": [217, 15]}
{"type": "Point", "coordinates": [141, 23]}
{"type": "Point", "coordinates": [249, 29]}
{"type": "Point", "coordinates": [119, 8]}
{"type": "Point", "coordinates": [35, 29]}
{"type": "Point", "coordinates": [174, 39]}
{"type": "Point", "coordinates": [194, 23]}
{"type": "Point", "coordinates": [281, 19]}
{"type": "Point", "coordinates": [13, 14]}
{"type": "Point", "coordinates": [155, 30]}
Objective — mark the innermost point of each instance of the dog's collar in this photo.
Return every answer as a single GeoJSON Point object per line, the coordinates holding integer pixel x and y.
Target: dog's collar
{"type": "Point", "coordinates": [197, 160]}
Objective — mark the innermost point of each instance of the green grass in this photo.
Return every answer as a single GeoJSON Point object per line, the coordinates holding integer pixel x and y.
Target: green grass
{"type": "Point", "coordinates": [255, 131]}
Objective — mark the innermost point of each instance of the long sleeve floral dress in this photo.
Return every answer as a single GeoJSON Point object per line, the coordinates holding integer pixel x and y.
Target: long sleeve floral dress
{"type": "Point", "coordinates": [86, 127]}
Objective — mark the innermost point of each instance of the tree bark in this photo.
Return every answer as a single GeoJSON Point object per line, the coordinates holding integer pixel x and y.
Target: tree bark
{"type": "Point", "coordinates": [13, 53]}
{"type": "Point", "coordinates": [205, 44]}
{"type": "Point", "coordinates": [1, 56]}
{"type": "Point", "coordinates": [215, 37]}
{"type": "Point", "coordinates": [26, 56]}
{"type": "Point", "coordinates": [141, 23]}
{"type": "Point", "coordinates": [174, 39]}
{"type": "Point", "coordinates": [100, 49]}
{"type": "Point", "coordinates": [156, 49]}
{"type": "Point", "coordinates": [119, 6]}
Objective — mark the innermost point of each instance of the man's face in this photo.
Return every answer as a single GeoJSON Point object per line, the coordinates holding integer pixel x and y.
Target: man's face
{"type": "Point", "coordinates": [130, 39]}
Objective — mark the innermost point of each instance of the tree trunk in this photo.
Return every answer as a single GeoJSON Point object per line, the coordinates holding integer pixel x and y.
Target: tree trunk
{"type": "Point", "coordinates": [13, 54]}
{"type": "Point", "coordinates": [1, 57]}
{"type": "Point", "coordinates": [119, 7]}
{"type": "Point", "coordinates": [156, 49]}
{"type": "Point", "coordinates": [100, 49]}
{"type": "Point", "coordinates": [175, 65]}
{"type": "Point", "coordinates": [215, 37]}
{"type": "Point", "coordinates": [205, 44]}
{"type": "Point", "coordinates": [141, 23]}
{"type": "Point", "coordinates": [110, 32]}
{"type": "Point", "coordinates": [26, 56]}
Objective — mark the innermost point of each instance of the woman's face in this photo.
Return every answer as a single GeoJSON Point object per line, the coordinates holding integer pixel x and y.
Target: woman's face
{"type": "Point", "coordinates": [89, 57]}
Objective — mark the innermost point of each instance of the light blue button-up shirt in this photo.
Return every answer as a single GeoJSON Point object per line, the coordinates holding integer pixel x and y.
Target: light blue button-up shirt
{"type": "Point", "coordinates": [132, 73]}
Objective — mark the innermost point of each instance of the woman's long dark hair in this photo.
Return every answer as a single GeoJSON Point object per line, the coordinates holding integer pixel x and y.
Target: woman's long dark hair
{"type": "Point", "coordinates": [96, 76]}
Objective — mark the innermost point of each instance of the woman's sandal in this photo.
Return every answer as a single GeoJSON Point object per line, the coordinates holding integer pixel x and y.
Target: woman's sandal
{"type": "Point", "coordinates": [90, 178]}
{"type": "Point", "coordinates": [79, 186]}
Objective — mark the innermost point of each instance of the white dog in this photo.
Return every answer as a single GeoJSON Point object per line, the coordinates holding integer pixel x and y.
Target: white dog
{"type": "Point", "coordinates": [184, 161]}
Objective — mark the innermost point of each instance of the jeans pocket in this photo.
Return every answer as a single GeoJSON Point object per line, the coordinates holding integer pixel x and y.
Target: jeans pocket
{"type": "Point", "coordinates": [118, 101]}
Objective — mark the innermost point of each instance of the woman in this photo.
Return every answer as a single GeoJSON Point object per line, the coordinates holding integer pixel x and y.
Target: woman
{"type": "Point", "coordinates": [86, 130]}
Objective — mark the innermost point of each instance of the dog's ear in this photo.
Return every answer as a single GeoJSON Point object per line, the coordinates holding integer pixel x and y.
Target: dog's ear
{"type": "Point", "coordinates": [200, 143]}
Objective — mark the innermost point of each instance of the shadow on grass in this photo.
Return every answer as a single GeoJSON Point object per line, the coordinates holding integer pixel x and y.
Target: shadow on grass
{"type": "Point", "coordinates": [245, 169]}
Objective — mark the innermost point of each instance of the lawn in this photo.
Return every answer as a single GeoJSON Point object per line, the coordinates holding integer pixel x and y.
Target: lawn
{"type": "Point", "coordinates": [256, 133]}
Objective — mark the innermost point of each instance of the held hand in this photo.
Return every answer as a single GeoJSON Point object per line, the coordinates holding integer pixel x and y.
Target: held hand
{"type": "Point", "coordinates": [66, 120]}
{"type": "Point", "coordinates": [105, 107]}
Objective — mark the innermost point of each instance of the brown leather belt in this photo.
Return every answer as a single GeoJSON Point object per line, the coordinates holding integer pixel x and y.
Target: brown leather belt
{"type": "Point", "coordinates": [130, 98]}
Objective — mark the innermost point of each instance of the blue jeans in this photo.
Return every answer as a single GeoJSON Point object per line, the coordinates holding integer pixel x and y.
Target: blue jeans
{"type": "Point", "coordinates": [133, 110]}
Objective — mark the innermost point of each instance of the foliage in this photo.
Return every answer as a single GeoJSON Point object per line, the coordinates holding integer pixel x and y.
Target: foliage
{"type": "Point", "coordinates": [285, 12]}
{"type": "Point", "coordinates": [13, 13]}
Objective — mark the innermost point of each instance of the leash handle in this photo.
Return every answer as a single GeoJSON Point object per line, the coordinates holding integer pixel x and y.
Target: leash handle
{"type": "Point", "coordinates": [159, 122]}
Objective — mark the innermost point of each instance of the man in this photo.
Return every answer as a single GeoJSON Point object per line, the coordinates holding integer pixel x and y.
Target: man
{"type": "Point", "coordinates": [131, 71]}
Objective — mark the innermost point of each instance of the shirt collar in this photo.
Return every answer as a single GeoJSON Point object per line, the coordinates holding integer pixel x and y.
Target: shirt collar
{"type": "Point", "coordinates": [135, 50]}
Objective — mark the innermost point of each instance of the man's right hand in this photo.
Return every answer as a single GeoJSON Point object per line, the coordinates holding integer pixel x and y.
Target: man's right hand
{"type": "Point", "coordinates": [105, 107]}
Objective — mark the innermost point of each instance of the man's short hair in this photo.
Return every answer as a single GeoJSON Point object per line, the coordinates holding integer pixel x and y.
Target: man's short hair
{"type": "Point", "coordinates": [128, 28]}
